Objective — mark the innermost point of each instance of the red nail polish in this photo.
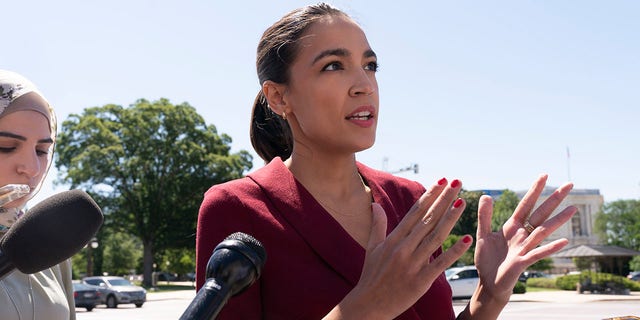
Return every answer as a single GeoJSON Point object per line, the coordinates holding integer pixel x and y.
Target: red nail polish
{"type": "Point", "coordinates": [467, 239]}
{"type": "Point", "coordinates": [458, 203]}
{"type": "Point", "coordinates": [442, 181]}
{"type": "Point", "coordinates": [455, 183]}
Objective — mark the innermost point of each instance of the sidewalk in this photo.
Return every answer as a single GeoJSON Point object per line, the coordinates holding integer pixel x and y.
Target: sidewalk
{"type": "Point", "coordinates": [571, 297]}
{"type": "Point", "coordinates": [186, 294]}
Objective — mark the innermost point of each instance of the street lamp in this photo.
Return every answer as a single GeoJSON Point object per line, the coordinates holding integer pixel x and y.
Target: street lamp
{"type": "Point", "coordinates": [90, 246]}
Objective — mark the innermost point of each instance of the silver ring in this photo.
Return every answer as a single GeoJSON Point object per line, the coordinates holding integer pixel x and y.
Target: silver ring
{"type": "Point", "coordinates": [528, 226]}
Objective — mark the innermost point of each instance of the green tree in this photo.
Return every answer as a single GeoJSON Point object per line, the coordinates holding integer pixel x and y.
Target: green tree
{"type": "Point", "coordinates": [79, 264]}
{"type": "Point", "coordinates": [148, 167]}
{"type": "Point", "coordinates": [503, 208]}
{"type": "Point", "coordinates": [543, 264]}
{"type": "Point", "coordinates": [634, 264]}
{"type": "Point", "coordinates": [122, 253]}
{"type": "Point", "coordinates": [180, 261]}
{"type": "Point", "coordinates": [468, 222]}
{"type": "Point", "coordinates": [466, 259]}
{"type": "Point", "coordinates": [618, 223]}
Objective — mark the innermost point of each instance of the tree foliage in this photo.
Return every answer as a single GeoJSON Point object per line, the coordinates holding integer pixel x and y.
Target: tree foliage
{"type": "Point", "coordinates": [618, 223]}
{"type": "Point", "coordinates": [503, 208]}
{"type": "Point", "coordinates": [122, 254]}
{"type": "Point", "coordinates": [468, 222]}
{"type": "Point", "coordinates": [180, 261]}
{"type": "Point", "coordinates": [148, 167]}
{"type": "Point", "coordinates": [543, 264]}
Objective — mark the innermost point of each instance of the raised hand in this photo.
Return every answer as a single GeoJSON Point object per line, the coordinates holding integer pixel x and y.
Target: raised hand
{"type": "Point", "coordinates": [400, 263]}
{"type": "Point", "coordinates": [501, 256]}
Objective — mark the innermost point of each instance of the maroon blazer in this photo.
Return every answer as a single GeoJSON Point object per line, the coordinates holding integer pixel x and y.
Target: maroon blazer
{"type": "Point", "coordinates": [312, 262]}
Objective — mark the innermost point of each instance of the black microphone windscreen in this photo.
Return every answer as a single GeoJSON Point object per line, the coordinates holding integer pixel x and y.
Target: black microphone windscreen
{"type": "Point", "coordinates": [241, 243]}
{"type": "Point", "coordinates": [250, 241]}
{"type": "Point", "coordinates": [52, 231]}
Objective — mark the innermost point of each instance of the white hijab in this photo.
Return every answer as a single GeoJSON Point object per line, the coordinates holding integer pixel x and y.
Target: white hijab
{"type": "Point", "coordinates": [17, 93]}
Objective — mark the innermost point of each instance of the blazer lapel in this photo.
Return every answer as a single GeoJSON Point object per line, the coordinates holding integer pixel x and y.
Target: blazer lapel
{"type": "Point", "coordinates": [309, 219]}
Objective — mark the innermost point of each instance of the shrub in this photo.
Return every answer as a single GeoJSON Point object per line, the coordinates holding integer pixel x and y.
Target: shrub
{"type": "Point", "coordinates": [569, 282]}
{"type": "Point", "coordinates": [520, 287]}
{"type": "Point", "coordinates": [548, 283]}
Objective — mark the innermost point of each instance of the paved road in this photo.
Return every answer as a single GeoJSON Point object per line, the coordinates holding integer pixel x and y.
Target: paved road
{"type": "Point", "coordinates": [567, 305]}
{"type": "Point", "coordinates": [551, 305]}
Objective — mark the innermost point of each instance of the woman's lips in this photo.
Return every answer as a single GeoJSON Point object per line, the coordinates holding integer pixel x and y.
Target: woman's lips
{"type": "Point", "coordinates": [363, 116]}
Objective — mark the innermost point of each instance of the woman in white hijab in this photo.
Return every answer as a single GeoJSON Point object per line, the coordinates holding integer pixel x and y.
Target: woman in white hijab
{"type": "Point", "coordinates": [27, 138]}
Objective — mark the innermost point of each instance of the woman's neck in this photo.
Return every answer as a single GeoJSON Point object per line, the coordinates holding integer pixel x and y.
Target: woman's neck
{"type": "Point", "coordinates": [338, 174]}
{"type": "Point", "coordinates": [339, 188]}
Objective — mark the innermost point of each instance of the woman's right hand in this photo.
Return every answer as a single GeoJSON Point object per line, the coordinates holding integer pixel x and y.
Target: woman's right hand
{"type": "Point", "coordinates": [397, 269]}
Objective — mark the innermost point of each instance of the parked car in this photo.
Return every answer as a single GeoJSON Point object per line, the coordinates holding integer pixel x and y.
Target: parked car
{"type": "Point", "coordinates": [532, 274]}
{"type": "Point", "coordinates": [86, 296]}
{"type": "Point", "coordinates": [463, 281]}
{"type": "Point", "coordinates": [117, 290]}
{"type": "Point", "coordinates": [634, 275]}
{"type": "Point", "coordinates": [190, 276]}
{"type": "Point", "coordinates": [166, 276]}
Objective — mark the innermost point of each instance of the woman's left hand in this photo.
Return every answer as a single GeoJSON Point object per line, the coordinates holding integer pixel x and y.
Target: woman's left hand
{"type": "Point", "coordinates": [501, 256]}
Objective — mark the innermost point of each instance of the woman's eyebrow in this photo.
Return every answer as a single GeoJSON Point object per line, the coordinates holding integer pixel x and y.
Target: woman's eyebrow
{"type": "Point", "coordinates": [12, 135]}
{"type": "Point", "coordinates": [22, 138]}
{"type": "Point", "coordinates": [369, 53]}
{"type": "Point", "coordinates": [341, 52]}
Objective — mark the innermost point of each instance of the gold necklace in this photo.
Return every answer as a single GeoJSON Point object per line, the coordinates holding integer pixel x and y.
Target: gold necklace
{"type": "Point", "coordinates": [366, 189]}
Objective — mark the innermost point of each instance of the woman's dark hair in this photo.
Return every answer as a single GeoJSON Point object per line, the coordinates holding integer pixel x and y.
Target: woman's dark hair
{"type": "Point", "coordinates": [270, 134]}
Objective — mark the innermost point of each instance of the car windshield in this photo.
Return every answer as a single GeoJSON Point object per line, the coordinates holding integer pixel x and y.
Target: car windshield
{"type": "Point", "coordinates": [119, 282]}
{"type": "Point", "coordinates": [449, 272]}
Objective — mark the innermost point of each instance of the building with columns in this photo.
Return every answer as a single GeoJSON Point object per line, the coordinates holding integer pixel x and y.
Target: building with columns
{"type": "Point", "coordinates": [580, 229]}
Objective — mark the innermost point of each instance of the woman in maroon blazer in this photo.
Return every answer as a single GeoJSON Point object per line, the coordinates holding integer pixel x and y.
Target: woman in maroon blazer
{"type": "Point", "coordinates": [345, 241]}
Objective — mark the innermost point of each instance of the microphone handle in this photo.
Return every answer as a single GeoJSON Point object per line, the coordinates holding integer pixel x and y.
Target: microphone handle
{"type": "Point", "coordinates": [208, 301]}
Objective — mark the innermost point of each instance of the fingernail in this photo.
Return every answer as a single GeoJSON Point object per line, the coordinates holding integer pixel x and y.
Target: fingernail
{"type": "Point", "coordinates": [442, 181]}
{"type": "Point", "coordinates": [455, 183]}
{"type": "Point", "coordinates": [458, 203]}
{"type": "Point", "coordinates": [467, 239]}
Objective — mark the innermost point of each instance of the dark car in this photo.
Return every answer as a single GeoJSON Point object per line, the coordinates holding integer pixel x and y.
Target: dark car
{"type": "Point", "coordinates": [191, 276]}
{"type": "Point", "coordinates": [532, 274]}
{"type": "Point", "coordinates": [117, 290]}
{"type": "Point", "coordinates": [86, 296]}
{"type": "Point", "coordinates": [634, 275]}
{"type": "Point", "coordinates": [166, 276]}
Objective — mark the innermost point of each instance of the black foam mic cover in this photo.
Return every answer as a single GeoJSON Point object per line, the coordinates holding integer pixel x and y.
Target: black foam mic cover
{"type": "Point", "coordinates": [224, 263]}
{"type": "Point", "coordinates": [52, 231]}
{"type": "Point", "coordinates": [234, 265]}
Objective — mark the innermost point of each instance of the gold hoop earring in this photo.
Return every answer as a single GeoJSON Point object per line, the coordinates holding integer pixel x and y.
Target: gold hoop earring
{"type": "Point", "coordinates": [284, 115]}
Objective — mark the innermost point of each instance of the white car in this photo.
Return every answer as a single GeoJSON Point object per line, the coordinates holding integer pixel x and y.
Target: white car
{"type": "Point", "coordinates": [117, 290]}
{"type": "Point", "coordinates": [463, 281]}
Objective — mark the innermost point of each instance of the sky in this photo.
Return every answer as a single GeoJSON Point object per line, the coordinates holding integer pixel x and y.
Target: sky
{"type": "Point", "coordinates": [493, 93]}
